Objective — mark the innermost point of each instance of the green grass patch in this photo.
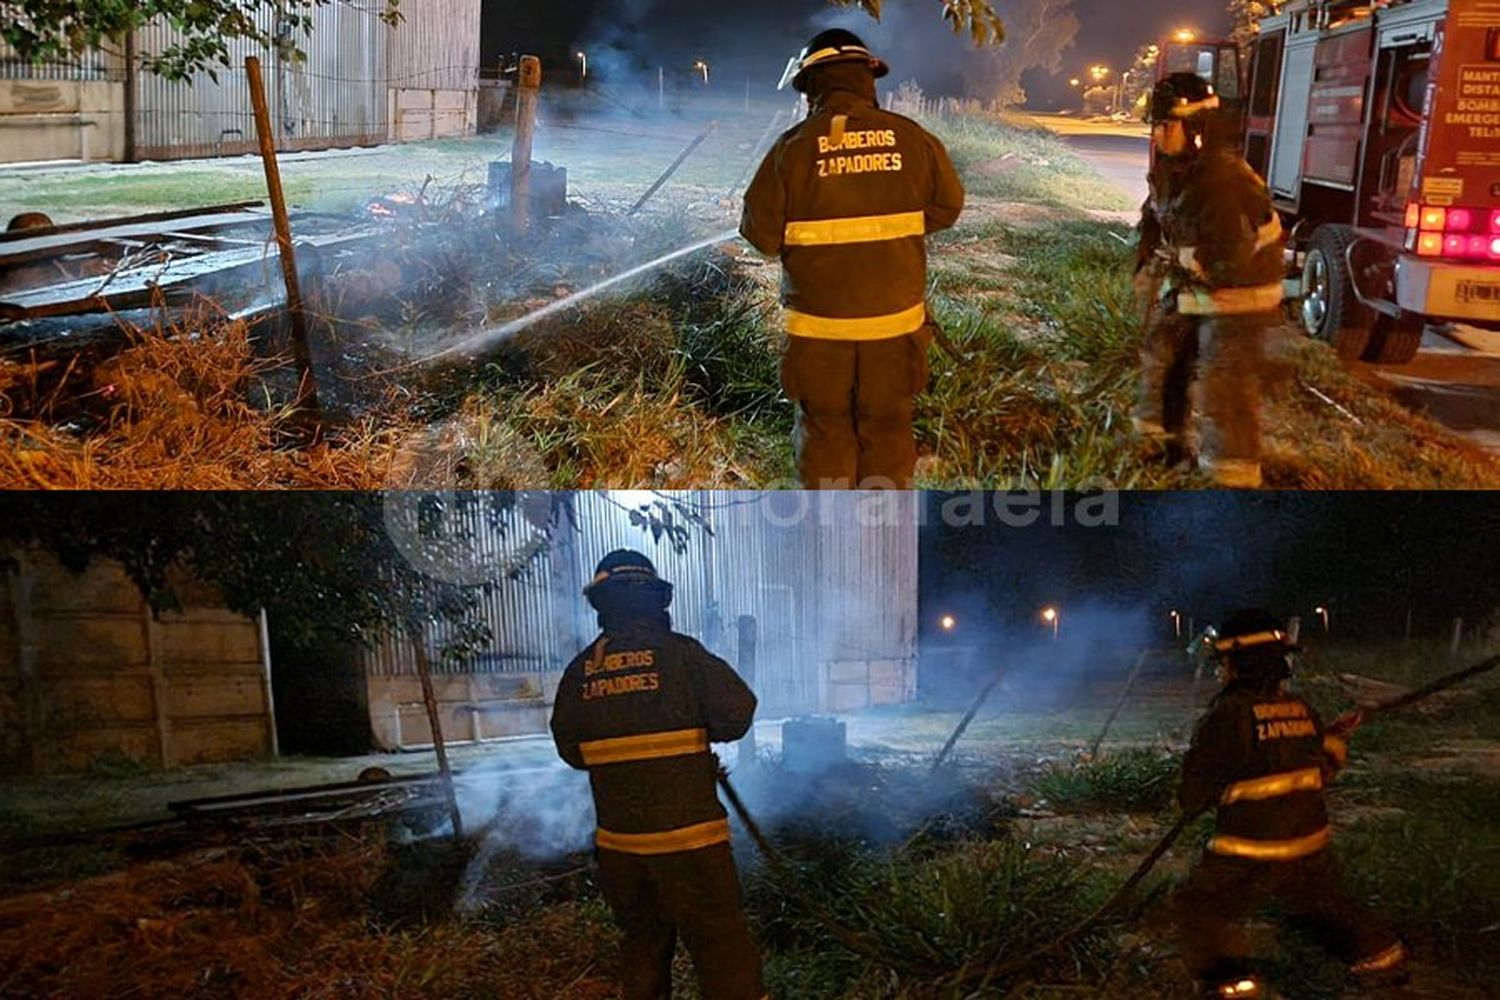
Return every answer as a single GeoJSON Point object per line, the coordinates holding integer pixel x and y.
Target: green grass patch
{"type": "Point", "coordinates": [1015, 160]}
{"type": "Point", "coordinates": [978, 904]}
{"type": "Point", "coordinates": [1132, 780]}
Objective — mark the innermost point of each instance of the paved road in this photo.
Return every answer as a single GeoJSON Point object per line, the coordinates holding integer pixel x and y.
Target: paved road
{"type": "Point", "coordinates": [1455, 379]}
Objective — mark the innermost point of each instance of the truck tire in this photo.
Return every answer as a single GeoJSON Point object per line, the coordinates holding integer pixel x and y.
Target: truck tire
{"type": "Point", "coordinates": [1330, 311]}
{"type": "Point", "coordinates": [1395, 341]}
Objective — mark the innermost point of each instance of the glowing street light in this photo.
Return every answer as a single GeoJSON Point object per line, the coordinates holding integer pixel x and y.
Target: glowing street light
{"type": "Point", "coordinates": [1099, 73]}
{"type": "Point", "coordinates": [948, 623]}
{"type": "Point", "coordinates": [583, 60]}
{"type": "Point", "coordinates": [1185, 35]}
{"type": "Point", "coordinates": [702, 67]}
{"type": "Point", "coordinates": [1322, 613]}
{"type": "Point", "coordinates": [1052, 617]}
{"type": "Point", "coordinates": [1074, 82]}
{"type": "Point", "coordinates": [1176, 622]}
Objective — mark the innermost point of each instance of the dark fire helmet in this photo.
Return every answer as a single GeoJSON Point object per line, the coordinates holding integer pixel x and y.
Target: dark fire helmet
{"type": "Point", "coordinates": [827, 47]}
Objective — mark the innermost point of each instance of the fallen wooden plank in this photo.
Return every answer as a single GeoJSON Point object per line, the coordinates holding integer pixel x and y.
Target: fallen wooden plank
{"type": "Point", "coordinates": [56, 244]}
{"type": "Point", "coordinates": [126, 220]}
{"type": "Point", "coordinates": [144, 285]}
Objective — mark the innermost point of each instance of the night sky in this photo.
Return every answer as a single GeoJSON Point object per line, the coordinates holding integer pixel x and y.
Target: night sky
{"type": "Point", "coordinates": [1370, 557]}
{"type": "Point", "coordinates": [754, 37]}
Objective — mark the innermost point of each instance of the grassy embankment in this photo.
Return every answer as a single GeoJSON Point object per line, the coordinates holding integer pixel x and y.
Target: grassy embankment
{"type": "Point", "coordinates": [675, 383]}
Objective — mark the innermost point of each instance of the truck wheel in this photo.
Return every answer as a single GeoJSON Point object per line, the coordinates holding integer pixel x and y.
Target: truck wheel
{"type": "Point", "coordinates": [1330, 312]}
{"type": "Point", "coordinates": [1394, 341]}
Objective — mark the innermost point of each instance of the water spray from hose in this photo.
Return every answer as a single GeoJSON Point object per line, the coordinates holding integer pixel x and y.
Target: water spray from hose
{"type": "Point", "coordinates": [484, 340]}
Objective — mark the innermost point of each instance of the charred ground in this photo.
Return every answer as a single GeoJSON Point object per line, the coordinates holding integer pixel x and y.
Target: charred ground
{"type": "Point", "coordinates": [1021, 837]}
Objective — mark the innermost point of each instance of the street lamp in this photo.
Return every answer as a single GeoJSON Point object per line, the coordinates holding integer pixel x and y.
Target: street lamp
{"type": "Point", "coordinates": [702, 67]}
{"type": "Point", "coordinates": [948, 623]}
{"type": "Point", "coordinates": [1176, 622]}
{"type": "Point", "coordinates": [1051, 616]}
{"type": "Point", "coordinates": [1074, 82]}
{"type": "Point", "coordinates": [1185, 35]}
{"type": "Point", "coordinates": [1322, 613]}
{"type": "Point", "coordinates": [583, 60]}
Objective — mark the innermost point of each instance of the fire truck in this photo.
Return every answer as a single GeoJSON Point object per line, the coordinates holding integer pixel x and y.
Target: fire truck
{"type": "Point", "coordinates": [1377, 127]}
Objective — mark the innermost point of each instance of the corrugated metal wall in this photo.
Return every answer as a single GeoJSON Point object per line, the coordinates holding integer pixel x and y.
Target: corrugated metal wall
{"type": "Point", "coordinates": [828, 583]}
{"type": "Point", "coordinates": [436, 46]}
{"type": "Point", "coordinates": [333, 94]}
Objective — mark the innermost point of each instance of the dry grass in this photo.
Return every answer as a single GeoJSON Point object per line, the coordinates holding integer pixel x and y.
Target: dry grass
{"type": "Point", "coordinates": [174, 410]}
{"type": "Point", "coordinates": [280, 921]}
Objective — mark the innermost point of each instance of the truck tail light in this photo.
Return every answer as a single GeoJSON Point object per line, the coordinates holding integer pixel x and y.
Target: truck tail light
{"type": "Point", "coordinates": [1440, 231]}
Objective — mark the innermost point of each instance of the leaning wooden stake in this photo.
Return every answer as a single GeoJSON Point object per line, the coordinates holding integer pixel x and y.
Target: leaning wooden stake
{"type": "Point", "coordinates": [963, 724]}
{"type": "Point", "coordinates": [676, 165]}
{"type": "Point", "coordinates": [528, 86]}
{"type": "Point", "coordinates": [435, 723]}
{"type": "Point", "coordinates": [307, 388]}
{"type": "Point", "coordinates": [1135, 671]}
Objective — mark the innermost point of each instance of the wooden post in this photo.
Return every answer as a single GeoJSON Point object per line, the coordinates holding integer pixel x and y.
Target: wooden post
{"type": "Point", "coordinates": [270, 692]}
{"type": "Point", "coordinates": [745, 661]}
{"type": "Point", "coordinates": [130, 97]}
{"type": "Point", "coordinates": [160, 708]}
{"type": "Point", "coordinates": [1458, 636]}
{"type": "Point", "coordinates": [32, 729]}
{"type": "Point", "coordinates": [435, 723]}
{"type": "Point", "coordinates": [307, 390]}
{"type": "Point", "coordinates": [661, 88]}
{"type": "Point", "coordinates": [528, 86]}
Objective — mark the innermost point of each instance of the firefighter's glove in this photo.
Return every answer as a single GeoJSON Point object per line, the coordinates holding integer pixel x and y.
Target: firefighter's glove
{"type": "Point", "coordinates": [1344, 726]}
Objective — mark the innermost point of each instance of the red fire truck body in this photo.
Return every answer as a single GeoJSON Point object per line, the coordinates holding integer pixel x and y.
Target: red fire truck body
{"type": "Point", "coordinates": [1377, 128]}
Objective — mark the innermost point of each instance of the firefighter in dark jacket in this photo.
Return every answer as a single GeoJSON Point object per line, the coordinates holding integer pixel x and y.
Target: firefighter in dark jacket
{"type": "Point", "coordinates": [846, 200]}
{"type": "Point", "coordinates": [638, 710]}
{"type": "Point", "coordinates": [1261, 756]}
{"type": "Point", "coordinates": [1209, 273]}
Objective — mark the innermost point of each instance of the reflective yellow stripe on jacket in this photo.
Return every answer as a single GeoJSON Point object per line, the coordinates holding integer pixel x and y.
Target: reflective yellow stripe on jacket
{"type": "Point", "coordinates": [861, 229]}
{"type": "Point", "coordinates": [801, 324]}
{"type": "Point", "coordinates": [685, 838]}
{"type": "Point", "coordinates": [1229, 301]}
{"type": "Point", "coordinates": [646, 746]}
{"type": "Point", "coordinates": [1273, 786]}
{"type": "Point", "coordinates": [1271, 850]}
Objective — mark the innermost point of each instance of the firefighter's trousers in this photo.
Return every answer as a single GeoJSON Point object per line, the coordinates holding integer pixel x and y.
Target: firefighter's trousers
{"type": "Point", "coordinates": [1223, 891]}
{"type": "Point", "coordinates": [1214, 365]}
{"type": "Point", "coordinates": [854, 409]}
{"type": "Point", "coordinates": [691, 894]}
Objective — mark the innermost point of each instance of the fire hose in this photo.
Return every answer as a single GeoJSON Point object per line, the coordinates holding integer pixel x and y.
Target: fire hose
{"type": "Point", "coordinates": [857, 943]}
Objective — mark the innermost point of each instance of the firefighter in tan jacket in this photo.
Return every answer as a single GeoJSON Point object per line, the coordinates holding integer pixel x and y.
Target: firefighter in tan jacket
{"type": "Point", "coordinates": [846, 200]}
{"type": "Point", "coordinates": [638, 710]}
{"type": "Point", "coordinates": [1209, 270]}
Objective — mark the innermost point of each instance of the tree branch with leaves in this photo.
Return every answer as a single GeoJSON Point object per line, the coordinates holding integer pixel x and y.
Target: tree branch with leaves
{"type": "Point", "coordinates": [977, 18]}
{"type": "Point", "coordinates": [42, 31]}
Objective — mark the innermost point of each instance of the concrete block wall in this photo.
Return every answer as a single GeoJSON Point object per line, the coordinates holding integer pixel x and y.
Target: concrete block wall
{"type": "Point", "coordinates": [62, 120]}
{"type": "Point", "coordinates": [471, 707]}
{"type": "Point", "coordinates": [854, 685]}
{"type": "Point", "coordinates": [91, 674]}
